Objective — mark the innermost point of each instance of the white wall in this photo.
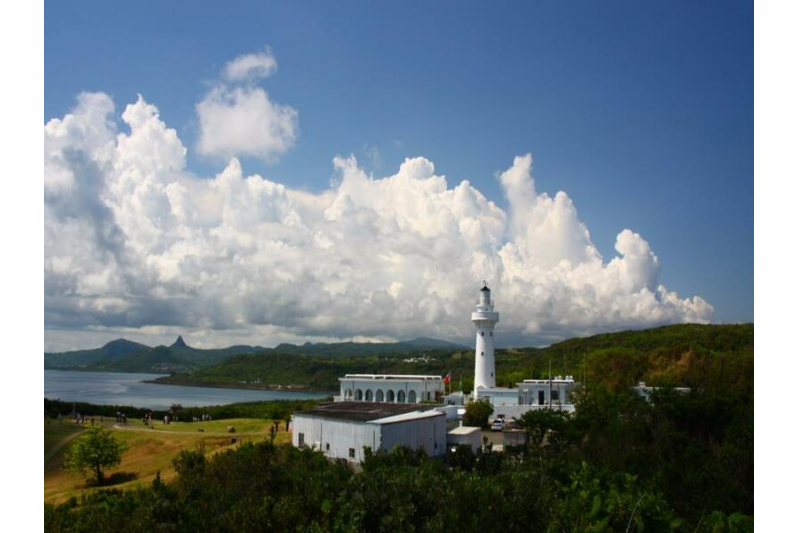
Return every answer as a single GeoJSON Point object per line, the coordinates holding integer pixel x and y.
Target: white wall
{"type": "Point", "coordinates": [341, 435]}
{"type": "Point", "coordinates": [473, 440]}
{"type": "Point", "coordinates": [428, 433]}
{"type": "Point", "coordinates": [421, 388]}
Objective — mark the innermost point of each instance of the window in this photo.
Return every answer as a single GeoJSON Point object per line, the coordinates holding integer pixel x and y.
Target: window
{"type": "Point", "coordinates": [327, 446]}
{"type": "Point", "coordinates": [301, 440]}
{"type": "Point", "coordinates": [491, 333]}
{"type": "Point", "coordinates": [481, 353]}
{"type": "Point", "coordinates": [352, 453]}
{"type": "Point", "coordinates": [554, 396]}
{"type": "Point", "coordinates": [541, 397]}
{"type": "Point", "coordinates": [481, 334]}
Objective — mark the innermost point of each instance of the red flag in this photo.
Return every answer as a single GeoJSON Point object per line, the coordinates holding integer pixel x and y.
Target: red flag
{"type": "Point", "coordinates": [446, 379]}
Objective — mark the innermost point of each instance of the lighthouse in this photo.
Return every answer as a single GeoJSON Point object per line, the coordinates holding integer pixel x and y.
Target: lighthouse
{"type": "Point", "coordinates": [484, 317]}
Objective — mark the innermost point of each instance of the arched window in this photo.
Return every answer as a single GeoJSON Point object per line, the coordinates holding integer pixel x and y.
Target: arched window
{"type": "Point", "coordinates": [481, 333]}
{"type": "Point", "coordinates": [369, 395]}
{"type": "Point", "coordinates": [379, 396]}
{"type": "Point", "coordinates": [359, 395]}
{"type": "Point", "coordinates": [348, 393]}
{"type": "Point", "coordinates": [401, 397]}
{"type": "Point", "coordinates": [412, 397]}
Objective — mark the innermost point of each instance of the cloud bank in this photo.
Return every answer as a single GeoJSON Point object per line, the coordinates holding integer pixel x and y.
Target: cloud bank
{"type": "Point", "coordinates": [136, 243]}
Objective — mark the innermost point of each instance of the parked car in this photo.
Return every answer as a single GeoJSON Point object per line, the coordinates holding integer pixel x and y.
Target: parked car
{"type": "Point", "coordinates": [498, 424]}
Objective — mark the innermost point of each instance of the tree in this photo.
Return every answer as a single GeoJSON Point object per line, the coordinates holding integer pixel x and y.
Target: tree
{"type": "Point", "coordinates": [478, 412]}
{"type": "Point", "coordinates": [539, 422]}
{"type": "Point", "coordinates": [94, 451]}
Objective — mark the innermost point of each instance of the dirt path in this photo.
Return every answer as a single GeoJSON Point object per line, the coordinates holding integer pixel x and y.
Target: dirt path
{"type": "Point", "coordinates": [59, 446]}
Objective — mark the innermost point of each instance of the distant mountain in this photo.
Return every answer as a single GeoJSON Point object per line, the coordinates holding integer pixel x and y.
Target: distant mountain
{"type": "Point", "coordinates": [179, 343]}
{"type": "Point", "coordinates": [125, 356]}
{"type": "Point", "coordinates": [342, 349]}
{"type": "Point", "coordinates": [427, 342]}
{"type": "Point", "coordinates": [114, 350]}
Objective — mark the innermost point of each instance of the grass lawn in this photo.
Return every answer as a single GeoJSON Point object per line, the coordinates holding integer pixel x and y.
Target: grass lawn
{"type": "Point", "coordinates": [149, 450]}
{"type": "Point", "coordinates": [242, 426]}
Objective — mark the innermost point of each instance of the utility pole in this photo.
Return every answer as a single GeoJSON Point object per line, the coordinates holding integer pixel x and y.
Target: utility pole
{"type": "Point", "coordinates": [550, 384]}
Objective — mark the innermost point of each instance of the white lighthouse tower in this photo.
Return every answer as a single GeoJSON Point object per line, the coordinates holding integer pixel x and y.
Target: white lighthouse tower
{"type": "Point", "coordinates": [484, 319]}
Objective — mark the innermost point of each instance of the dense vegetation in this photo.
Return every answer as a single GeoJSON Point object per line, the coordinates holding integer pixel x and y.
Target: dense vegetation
{"type": "Point", "coordinates": [685, 354]}
{"type": "Point", "coordinates": [679, 463]}
{"type": "Point", "coordinates": [271, 410]}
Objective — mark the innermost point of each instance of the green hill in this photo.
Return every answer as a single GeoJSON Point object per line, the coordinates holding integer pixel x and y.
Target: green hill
{"type": "Point", "coordinates": [686, 354]}
{"type": "Point", "coordinates": [114, 350]}
{"type": "Point", "coordinates": [339, 349]}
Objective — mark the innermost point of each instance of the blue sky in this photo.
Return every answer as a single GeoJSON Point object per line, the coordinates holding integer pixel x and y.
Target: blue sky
{"type": "Point", "coordinates": [641, 112]}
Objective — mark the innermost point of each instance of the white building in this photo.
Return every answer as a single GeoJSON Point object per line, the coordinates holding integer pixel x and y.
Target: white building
{"type": "Point", "coordinates": [644, 391]}
{"type": "Point", "coordinates": [464, 436]}
{"type": "Point", "coordinates": [531, 394]}
{"type": "Point", "coordinates": [499, 396]}
{"type": "Point", "coordinates": [342, 430]}
{"type": "Point", "coordinates": [390, 388]}
{"type": "Point", "coordinates": [484, 317]}
{"type": "Point", "coordinates": [554, 393]}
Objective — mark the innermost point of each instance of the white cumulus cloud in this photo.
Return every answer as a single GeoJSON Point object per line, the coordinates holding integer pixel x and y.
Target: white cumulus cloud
{"type": "Point", "coordinates": [250, 67]}
{"type": "Point", "coordinates": [240, 119]}
{"type": "Point", "coordinates": [136, 243]}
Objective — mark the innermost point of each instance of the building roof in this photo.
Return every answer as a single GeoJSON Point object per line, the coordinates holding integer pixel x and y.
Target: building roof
{"type": "Point", "coordinates": [405, 417]}
{"type": "Point", "coordinates": [363, 411]}
{"type": "Point", "coordinates": [390, 377]}
{"type": "Point", "coordinates": [464, 430]}
{"type": "Point", "coordinates": [557, 379]}
{"type": "Point", "coordinates": [499, 390]}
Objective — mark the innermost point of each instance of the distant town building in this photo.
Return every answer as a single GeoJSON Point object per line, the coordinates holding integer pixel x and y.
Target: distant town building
{"type": "Point", "coordinates": [342, 430]}
{"type": "Point", "coordinates": [390, 388]}
{"type": "Point", "coordinates": [644, 391]}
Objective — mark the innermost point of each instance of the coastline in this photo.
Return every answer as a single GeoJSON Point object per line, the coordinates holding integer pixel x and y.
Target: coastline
{"type": "Point", "coordinates": [244, 386]}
